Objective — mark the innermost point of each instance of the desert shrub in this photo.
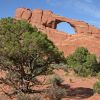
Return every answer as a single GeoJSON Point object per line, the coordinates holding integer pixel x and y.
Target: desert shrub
{"type": "Point", "coordinates": [49, 71]}
{"type": "Point", "coordinates": [56, 80]}
{"type": "Point", "coordinates": [91, 62]}
{"type": "Point", "coordinates": [78, 57]}
{"type": "Point", "coordinates": [56, 93]}
{"type": "Point", "coordinates": [23, 97]}
{"type": "Point", "coordinates": [83, 62]}
{"type": "Point", "coordinates": [25, 53]}
{"type": "Point", "coordinates": [83, 71]}
{"type": "Point", "coordinates": [98, 75]}
{"type": "Point", "coordinates": [96, 87]}
{"type": "Point", "coordinates": [36, 97]}
{"type": "Point", "coordinates": [62, 66]}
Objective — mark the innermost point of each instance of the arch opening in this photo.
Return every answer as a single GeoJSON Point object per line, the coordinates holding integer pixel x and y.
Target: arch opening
{"type": "Point", "coordinates": [65, 27]}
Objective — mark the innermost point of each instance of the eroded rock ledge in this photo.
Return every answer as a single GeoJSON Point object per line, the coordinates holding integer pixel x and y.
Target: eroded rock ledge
{"type": "Point", "coordinates": [46, 21]}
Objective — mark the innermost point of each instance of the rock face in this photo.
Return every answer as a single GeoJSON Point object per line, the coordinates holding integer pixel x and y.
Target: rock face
{"type": "Point", "coordinates": [86, 35]}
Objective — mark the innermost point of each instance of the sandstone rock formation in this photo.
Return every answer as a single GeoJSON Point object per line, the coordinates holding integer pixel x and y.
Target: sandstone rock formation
{"type": "Point", "coordinates": [86, 35]}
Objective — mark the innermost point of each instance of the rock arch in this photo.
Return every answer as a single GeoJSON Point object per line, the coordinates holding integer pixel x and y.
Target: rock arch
{"type": "Point", "coordinates": [46, 21]}
{"type": "Point", "coordinates": [46, 18]}
{"type": "Point", "coordinates": [65, 27]}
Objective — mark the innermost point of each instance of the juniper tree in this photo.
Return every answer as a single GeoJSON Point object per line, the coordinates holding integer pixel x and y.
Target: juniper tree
{"type": "Point", "coordinates": [24, 53]}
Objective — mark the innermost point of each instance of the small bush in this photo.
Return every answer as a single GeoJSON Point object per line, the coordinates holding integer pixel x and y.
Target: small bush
{"type": "Point", "coordinates": [98, 75]}
{"type": "Point", "coordinates": [83, 63]}
{"type": "Point", "coordinates": [56, 93]}
{"type": "Point", "coordinates": [36, 97]}
{"type": "Point", "coordinates": [23, 97]}
{"type": "Point", "coordinates": [56, 80]}
{"type": "Point", "coordinates": [49, 71]}
{"type": "Point", "coordinates": [96, 87]}
{"type": "Point", "coordinates": [60, 66]}
{"type": "Point", "coordinates": [83, 71]}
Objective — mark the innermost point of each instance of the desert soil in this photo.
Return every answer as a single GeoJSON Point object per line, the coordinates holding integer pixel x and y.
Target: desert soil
{"type": "Point", "coordinates": [79, 88]}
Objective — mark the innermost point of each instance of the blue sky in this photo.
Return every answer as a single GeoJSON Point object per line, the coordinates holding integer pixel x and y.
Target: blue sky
{"type": "Point", "coordinates": [86, 10]}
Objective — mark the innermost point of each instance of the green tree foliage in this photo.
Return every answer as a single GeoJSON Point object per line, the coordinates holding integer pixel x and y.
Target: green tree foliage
{"type": "Point", "coordinates": [25, 53]}
{"type": "Point", "coordinates": [78, 57]}
{"type": "Point", "coordinates": [83, 62]}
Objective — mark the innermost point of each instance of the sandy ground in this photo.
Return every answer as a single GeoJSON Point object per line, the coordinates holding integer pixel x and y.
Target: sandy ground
{"type": "Point", "coordinates": [80, 88]}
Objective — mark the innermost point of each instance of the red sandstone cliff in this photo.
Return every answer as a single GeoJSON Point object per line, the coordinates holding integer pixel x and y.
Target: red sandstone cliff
{"type": "Point", "coordinates": [86, 35]}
